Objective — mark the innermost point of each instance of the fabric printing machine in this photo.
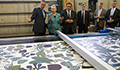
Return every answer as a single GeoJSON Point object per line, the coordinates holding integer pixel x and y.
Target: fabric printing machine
{"type": "Point", "coordinates": [92, 51]}
{"type": "Point", "coordinates": [100, 49]}
{"type": "Point", "coordinates": [40, 53]}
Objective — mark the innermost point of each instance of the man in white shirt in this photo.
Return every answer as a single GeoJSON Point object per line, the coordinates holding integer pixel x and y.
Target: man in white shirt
{"type": "Point", "coordinates": [99, 17]}
{"type": "Point", "coordinates": [112, 16]}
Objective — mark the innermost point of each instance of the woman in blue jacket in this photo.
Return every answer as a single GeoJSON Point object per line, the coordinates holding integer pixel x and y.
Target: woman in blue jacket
{"type": "Point", "coordinates": [54, 20]}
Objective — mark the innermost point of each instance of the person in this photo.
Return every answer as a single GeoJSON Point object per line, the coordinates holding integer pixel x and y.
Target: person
{"type": "Point", "coordinates": [39, 15]}
{"type": "Point", "coordinates": [99, 18]}
{"type": "Point", "coordinates": [69, 19]}
{"type": "Point", "coordinates": [112, 16]}
{"type": "Point", "coordinates": [83, 19]}
{"type": "Point", "coordinates": [54, 20]}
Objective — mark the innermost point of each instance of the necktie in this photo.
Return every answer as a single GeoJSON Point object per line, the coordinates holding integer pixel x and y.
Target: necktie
{"type": "Point", "coordinates": [112, 11]}
{"type": "Point", "coordinates": [69, 18]}
{"type": "Point", "coordinates": [98, 14]}
{"type": "Point", "coordinates": [111, 14]}
{"type": "Point", "coordinates": [69, 15]}
{"type": "Point", "coordinates": [83, 17]}
{"type": "Point", "coordinates": [43, 13]}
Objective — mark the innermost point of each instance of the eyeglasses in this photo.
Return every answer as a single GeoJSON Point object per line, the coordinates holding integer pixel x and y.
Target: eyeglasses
{"type": "Point", "coordinates": [68, 6]}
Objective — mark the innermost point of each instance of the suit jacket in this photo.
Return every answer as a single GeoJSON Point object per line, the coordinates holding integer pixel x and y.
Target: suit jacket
{"type": "Point", "coordinates": [115, 17]}
{"type": "Point", "coordinates": [101, 20]}
{"type": "Point", "coordinates": [64, 10]}
{"type": "Point", "coordinates": [39, 23]}
{"type": "Point", "coordinates": [79, 18]}
{"type": "Point", "coordinates": [67, 25]}
{"type": "Point", "coordinates": [54, 23]}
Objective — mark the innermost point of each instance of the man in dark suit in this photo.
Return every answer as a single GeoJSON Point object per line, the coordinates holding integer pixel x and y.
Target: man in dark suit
{"type": "Point", "coordinates": [39, 15]}
{"type": "Point", "coordinates": [112, 16]}
{"type": "Point", "coordinates": [69, 19]}
{"type": "Point", "coordinates": [99, 18]}
{"type": "Point", "coordinates": [83, 19]}
{"type": "Point", "coordinates": [63, 22]}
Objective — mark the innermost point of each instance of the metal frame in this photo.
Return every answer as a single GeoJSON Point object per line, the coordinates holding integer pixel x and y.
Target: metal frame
{"type": "Point", "coordinates": [91, 58]}
{"type": "Point", "coordinates": [117, 29]}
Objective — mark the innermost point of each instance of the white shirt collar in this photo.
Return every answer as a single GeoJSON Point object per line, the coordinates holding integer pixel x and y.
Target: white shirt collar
{"type": "Point", "coordinates": [112, 11]}
{"type": "Point", "coordinates": [69, 11]}
{"type": "Point", "coordinates": [100, 9]}
{"type": "Point", "coordinates": [83, 11]}
{"type": "Point", "coordinates": [113, 8]}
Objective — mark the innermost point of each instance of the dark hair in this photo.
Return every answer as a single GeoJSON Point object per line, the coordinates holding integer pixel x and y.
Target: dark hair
{"type": "Point", "coordinates": [43, 1]}
{"type": "Point", "coordinates": [114, 1]}
{"type": "Point", "coordinates": [69, 3]}
{"type": "Point", "coordinates": [83, 4]}
{"type": "Point", "coordinates": [101, 3]}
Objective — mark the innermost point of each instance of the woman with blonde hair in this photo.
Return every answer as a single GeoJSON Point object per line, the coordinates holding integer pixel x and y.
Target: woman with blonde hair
{"type": "Point", "coordinates": [54, 20]}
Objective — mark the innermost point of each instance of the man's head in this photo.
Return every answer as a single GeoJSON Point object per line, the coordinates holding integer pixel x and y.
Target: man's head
{"type": "Point", "coordinates": [53, 8]}
{"type": "Point", "coordinates": [114, 4]}
{"type": "Point", "coordinates": [83, 5]}
{"type": "Point", "coordinates": [100, 5]}
{"type": "Point", "coordinates": [42, 4]}
{"type": "Point", "coordinates": [69, 6]}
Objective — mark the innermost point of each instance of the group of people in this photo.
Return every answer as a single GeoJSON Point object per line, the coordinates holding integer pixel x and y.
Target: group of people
{"type": "Point", "coordinates": [68, 20]}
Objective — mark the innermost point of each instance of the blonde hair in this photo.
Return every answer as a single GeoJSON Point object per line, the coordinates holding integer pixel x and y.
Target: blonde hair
{"type": "Point", "coordinates": [53, 6]}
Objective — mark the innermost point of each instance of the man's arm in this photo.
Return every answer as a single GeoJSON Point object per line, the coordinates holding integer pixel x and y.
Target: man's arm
{"type": "Point", "coordinates": [117, 19]}
{"type": "Point", "coordinates": [75, 17]}
{"type": "Point", "coordinates": [88, 18]}
{"type": "Point", "coordinates": [78, 20]}
{"type": "Point", "coordinates": [106, 16]}
{"type": "Point", "coordinates": [33, 16]}
{"type": "Point", "coordinates": [95, 15]}
{"type": "Point", "coordinates": [103, 16]}
{"type": "Point", "coordinates": [34, 13]}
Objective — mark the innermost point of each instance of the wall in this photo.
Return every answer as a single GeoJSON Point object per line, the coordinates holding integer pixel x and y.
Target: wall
{"type": "Point", "coordinates": [13, 16]}
{"type": "Point", "coordinates": [78, 6]}
{"type": "Point", "coordinates": [66, 1]}
{"type": "Point", "coordinates": [107, 4]}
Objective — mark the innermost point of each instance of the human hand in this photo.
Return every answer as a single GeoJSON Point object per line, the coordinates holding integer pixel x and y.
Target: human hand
{"type": "Point", "coordinates": [61, 18]}
{"type": "Point", "coordinates": [99, 17]}
{"type": "Point", "coordinates": [49, 18]}
{"type": "Point", "coordinates": [67, 21]}
{"type": "Point", "coordinates": [109, 21]}
{"type": "Point", "coordinates": [77, 27]}
{"type": "Point", "coordinates": [28, 18]}
{"type": "Point", "coordinates": [61, 27]}
{"type": "Point", "coordinates": [88, 27]}
{"type": "Point", "coordinates": [96, 17]}
{"type": "Point", "coordinates": [71, 21]}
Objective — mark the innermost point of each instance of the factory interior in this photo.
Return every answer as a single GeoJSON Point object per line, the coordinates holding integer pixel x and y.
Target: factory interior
{"type": "Point", "coordinates": [22, 49]}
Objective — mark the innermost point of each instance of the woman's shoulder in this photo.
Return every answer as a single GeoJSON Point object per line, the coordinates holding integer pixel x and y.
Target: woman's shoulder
{"type": "Point", "coordinates": [50, 14]}
{"type": "Point", "coordinates": [58, 14]}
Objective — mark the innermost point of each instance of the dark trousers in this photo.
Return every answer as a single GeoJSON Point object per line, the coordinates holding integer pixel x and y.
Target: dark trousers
{"type": "Point", "coordinates": [98, 28]}
{"type": "Point", "coordinates": [70, 31]}
{"type": "Point", "coordinates": [83, 27]}
{"type": "Point", "coordinates": [39, 34]}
